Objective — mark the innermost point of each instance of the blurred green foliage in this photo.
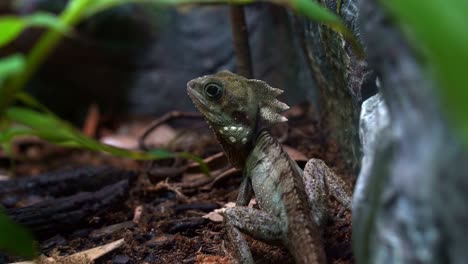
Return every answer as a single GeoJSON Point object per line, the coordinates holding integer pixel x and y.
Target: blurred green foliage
{"type": "Point", "coordinates": [12, 26]}
{"type": "Point", "coordinates": [10, 65]}
{"type": "Point", "coordinates": [35, 119]}
{"type": "Point", "coordinates": [49, 127]}
{"type": "Point", "coordinates": [438, 30]}
{"type": "Point", "coordinates": [16, 239]}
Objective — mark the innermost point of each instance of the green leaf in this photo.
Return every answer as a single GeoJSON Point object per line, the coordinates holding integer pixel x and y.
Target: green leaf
{"type": "Point", "coordinates": [10, 28]}
{"type": "Point", "coordinates": [203, 166]}
{"type": "Point", "coordinates": [161, 153]}
{"type": "Point", "coordinates": [438, 31]}
{"type": "Point", "coordinates": [51, 128]}
{"type": "Point", "coordinates": [30, 101]}
{"type": "Point", "coordinates": [316, 12]}
{"type": "Point", "coordinates": [10, 65]}
{"type": "Point", "coordinates": [42, 19]}
{"type": "Point", "coordinates": [8, 134]}
{"type": "Point", "coordinates": [100, 5]}
{"type": "Point", "coordinates": [15, 239]}
{"type": "Point", "coordinates": [39, 121]}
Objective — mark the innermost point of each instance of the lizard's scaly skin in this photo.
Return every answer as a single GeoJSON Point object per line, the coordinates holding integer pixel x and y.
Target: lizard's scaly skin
{"type": "Point", "coordinates": [279, 189]}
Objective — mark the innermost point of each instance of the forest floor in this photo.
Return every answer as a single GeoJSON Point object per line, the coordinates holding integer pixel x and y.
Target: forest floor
{"type": "Point", "coordinates": [167, 213]}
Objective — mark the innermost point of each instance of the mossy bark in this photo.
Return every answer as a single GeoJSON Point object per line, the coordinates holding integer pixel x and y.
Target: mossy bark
{"type": "Point", "coordinates": [340, 76]}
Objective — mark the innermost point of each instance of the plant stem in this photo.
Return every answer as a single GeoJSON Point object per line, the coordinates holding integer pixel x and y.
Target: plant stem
{"type": "Point", "coordinates": [241, 42]}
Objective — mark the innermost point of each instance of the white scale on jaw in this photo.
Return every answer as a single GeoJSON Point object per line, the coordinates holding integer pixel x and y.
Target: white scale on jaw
{"type": "Point", "coordinates": [236, 129]}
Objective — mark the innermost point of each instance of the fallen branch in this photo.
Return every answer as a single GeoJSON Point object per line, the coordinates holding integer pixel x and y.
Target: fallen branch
{"type": "Point", "coordinates": [61, 183]}
{"type": "Point", "coordinates": [56, 215]}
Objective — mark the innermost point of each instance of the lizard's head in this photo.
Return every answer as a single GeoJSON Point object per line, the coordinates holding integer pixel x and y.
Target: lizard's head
{"type": "Point", "coordinates": [236, 107]}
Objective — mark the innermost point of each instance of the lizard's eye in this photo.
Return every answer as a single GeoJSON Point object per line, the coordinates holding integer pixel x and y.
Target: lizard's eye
{"type": "Point", "coordinates": [213, 90]}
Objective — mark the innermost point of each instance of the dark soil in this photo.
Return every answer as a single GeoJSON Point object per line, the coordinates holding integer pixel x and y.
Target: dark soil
{"type": "Point", "coordinates": [171, 228]}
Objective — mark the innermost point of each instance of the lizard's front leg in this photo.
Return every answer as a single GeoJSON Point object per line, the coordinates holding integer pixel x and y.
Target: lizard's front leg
{"type": "Point", "coordinates": [256, 223]}
{"type": "Point", "coordinates": [320, 180]}
{"type": "Point", "coordinates": [235, 236]}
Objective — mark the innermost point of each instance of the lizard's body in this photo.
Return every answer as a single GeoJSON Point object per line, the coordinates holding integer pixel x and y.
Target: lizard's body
{"type": "Point", "coordinates": [293, 203]}
{"type": "Point", "coordinates": [279, 190]}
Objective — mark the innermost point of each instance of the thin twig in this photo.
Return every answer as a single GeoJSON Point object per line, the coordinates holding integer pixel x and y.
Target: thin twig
{"type": "Point", "coordinates": [165, 118]}
{"type": "Point", "coordinates": [227, 173]}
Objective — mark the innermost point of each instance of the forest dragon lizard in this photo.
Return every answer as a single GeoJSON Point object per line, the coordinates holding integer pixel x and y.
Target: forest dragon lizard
{"type": "Point", "coordinates": [293, 203]}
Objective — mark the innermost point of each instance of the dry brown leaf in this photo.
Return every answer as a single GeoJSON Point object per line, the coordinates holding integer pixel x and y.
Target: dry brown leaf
{"type": "Point", "coordinates": [120, 141]}
{"type": "Point", "coordinates": [209, 259]}
{"type": "Point", "coordinates": [98, 252]}
{"type": "Point", "coordinates": [83, 257]}
{"type": "Point", "coordinates": [216, 215]}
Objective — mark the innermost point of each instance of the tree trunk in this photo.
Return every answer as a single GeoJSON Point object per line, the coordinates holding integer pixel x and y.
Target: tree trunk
{"type": "Point", "coordinates": [410, 199]}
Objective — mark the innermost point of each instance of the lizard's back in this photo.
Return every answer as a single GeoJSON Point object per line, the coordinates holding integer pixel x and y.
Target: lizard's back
{"type": "Point", "coordinates": [280, 191]}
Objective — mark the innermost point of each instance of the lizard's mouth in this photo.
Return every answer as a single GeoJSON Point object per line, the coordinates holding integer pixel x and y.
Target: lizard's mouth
{"type": "Point", "coordinates": [199, 101]}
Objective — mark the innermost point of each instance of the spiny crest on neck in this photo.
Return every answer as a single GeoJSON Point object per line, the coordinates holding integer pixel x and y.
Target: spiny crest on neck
{"type": "Point", "coordinates": [270, 107]}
